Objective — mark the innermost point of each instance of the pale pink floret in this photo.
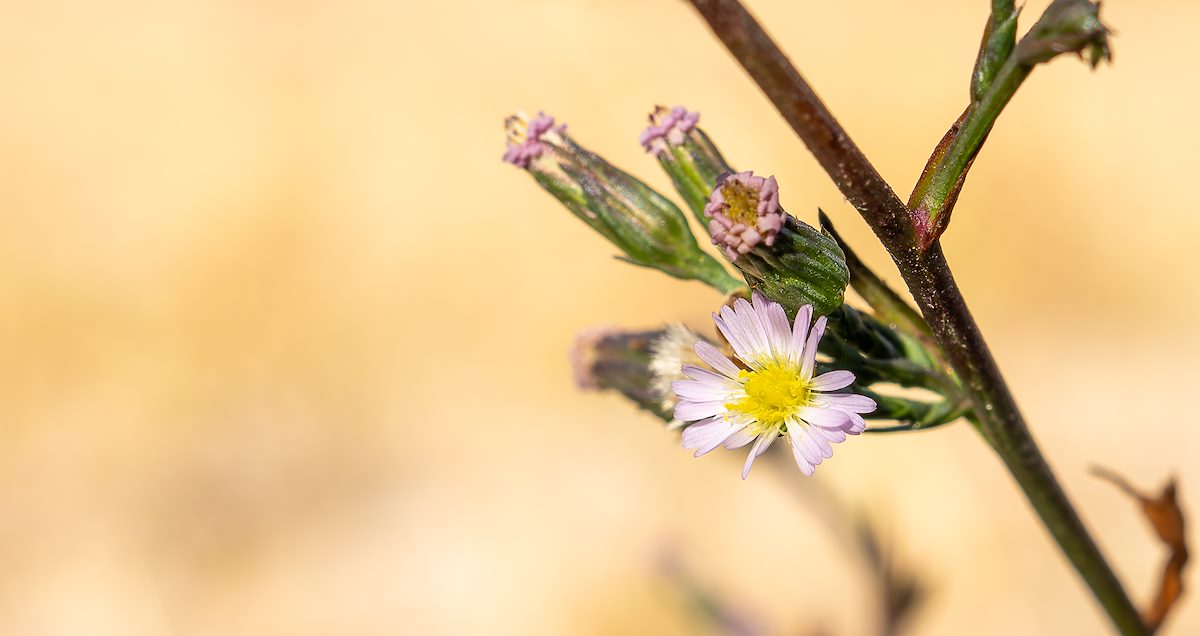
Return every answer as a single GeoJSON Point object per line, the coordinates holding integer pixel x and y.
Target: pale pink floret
{"type": "Point", "coordinates": [525, 140]}
{"type": "Point", "coordinates": [668, 128]}
{"type": "Point", "coordinates": [762, 336]}
{"type": "Point", "coordinates": [736, 234]}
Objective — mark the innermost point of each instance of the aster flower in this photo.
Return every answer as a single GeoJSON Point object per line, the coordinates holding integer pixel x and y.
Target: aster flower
{"type": "Point", "coordinates": [775, 394]}
{"type": "Point", "coordinates": [744, 210]}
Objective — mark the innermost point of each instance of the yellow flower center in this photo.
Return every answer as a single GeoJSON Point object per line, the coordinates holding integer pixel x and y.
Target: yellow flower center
{"type": "Point", "coordinates": [773, 394]}
{"type": "Point", "coordinates": [742, 202]}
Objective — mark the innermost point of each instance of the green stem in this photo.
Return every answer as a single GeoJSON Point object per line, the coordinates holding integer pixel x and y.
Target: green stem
{"type": "Point", "coordinates": [1004, 428]}
{"type": "Point", "coordinates": [1065, 26]}
{"type": "Point", "coordinates": [947, 175]}
{"type": "Point", "coordinates": [999, 38]}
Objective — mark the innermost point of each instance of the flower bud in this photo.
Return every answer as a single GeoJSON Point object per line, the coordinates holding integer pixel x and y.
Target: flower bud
{"type": "Point", "coordinates": [687, 155]}
{"type": "Point", "coordinates": [1067, 26]}
{"type": "Point", "coordinates": [642, 366]}
{"type": "Point", "coordinates": [649, 228]}
{"type": "Point", "coordinates": [790, 262]}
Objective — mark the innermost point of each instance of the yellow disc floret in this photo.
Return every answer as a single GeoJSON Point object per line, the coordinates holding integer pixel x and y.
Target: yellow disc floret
{"type": "Point", "coordinates": [774, 394]}
{"type": "Point", "coordinates": [742, 202]}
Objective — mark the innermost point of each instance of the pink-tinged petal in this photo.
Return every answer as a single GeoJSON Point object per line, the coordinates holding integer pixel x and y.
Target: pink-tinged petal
{"type": "Point", "coordinates": [824, 417]}
{"type": "Point", "coordinates": [706, 436]}
{"type": "Point", "coordinates": [760, 306]}
{"type": "Point", "coordinates": [849, 402]}
{"type": "Point", "coordinates": [779, 330]}
{"type": "Point", "coordinates": [832, 434]}
{"type": "Point", "coordinates": [805, 466]}
{"type": "Point", "coordinates": [752, 323]}
{"type": "Point", "coordinates": [802, 439]}
{"type": "Point", "coordinates": [799, 334]}
{"type": "Point", "coordinates": [832, 381]}
{"type": "Point", "coordinates": [821, 442]}
{"type": "Point", "coordinates": [810, 347]}
{"type": "Point", "coordinates": [703, 375]}
{"type": "Point", "coordinates": [730, 327]}
{"type": "Point", "coordinates": [692, 411]}
{"type": "Point", "coordinates": [760, 446]}
{"type": "Point", "coordinates": [697, 391]}
{"type": "Point", "coordinates": [857, 424]}
{"type": "Point", "coordinates": [714, 357]}
{"type": "Point", "coordinates": [739, 439]}
{"type": "Point", "coordinates": [720, 382]}
{"type": "Point", "coordinates": [759, 301]}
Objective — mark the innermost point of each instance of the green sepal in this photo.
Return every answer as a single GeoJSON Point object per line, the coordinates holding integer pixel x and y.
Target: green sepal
{"type": "Point", "coordinates": [802, 267]}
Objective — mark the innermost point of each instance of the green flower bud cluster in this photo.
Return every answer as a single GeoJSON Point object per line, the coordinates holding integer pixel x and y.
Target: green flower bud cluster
{"type": "Point", "coordinates": [787, 260]}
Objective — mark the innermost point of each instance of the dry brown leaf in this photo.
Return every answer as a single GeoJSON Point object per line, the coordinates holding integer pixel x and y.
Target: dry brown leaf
{"type": "Point", "coordinates": [1166, 517]}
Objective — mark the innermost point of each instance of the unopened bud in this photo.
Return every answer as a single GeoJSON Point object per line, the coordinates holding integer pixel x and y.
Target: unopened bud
{"type": "Point", "coordinates": [648, 227]}
{"type": "Point", "coordinates": [743, 211]}
{"type": "Point", "coordinates": [640, 365]}
{"type": "Point", "coordinates": [789, 261]}
{"type": "Point", "coordinates": [1067, 26]}
{"type": "Point", "coordinates": [687, 155]}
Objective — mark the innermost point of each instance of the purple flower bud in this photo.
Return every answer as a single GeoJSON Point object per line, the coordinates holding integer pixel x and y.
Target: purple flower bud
{"type": "Point", "coordinates": [743, 211]}
{"type": "Point", "coordinates": [668, 128]}
{"type": "Point", "coordinates": [525, 137]}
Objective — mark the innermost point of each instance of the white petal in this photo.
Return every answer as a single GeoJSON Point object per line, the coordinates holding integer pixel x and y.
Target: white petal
{"type": "Point", "coordinates": [704, 375]}
{"type": "Point", "coordinates": [832, 381]}
{"type": "Point", "coordinates": [849, 402]}
{"type": "Point", "coordinates": [771, 437]}
{"type": "Point", "coordinates": [779, 331]}
{"type": "Point", "coordinates": [692, 411]}
{"type": "Point", "coordinates": [800, 333]}
{"type": "Point", "coordinates": [824, 417]}
{"type": "Point", "coordinates": [857, 424]}
{"type": "Point", "coordinates": [810, 347]}
{"type": "Point", "coordinates": [752, 323]}
{"type": "Point", "coordinates": [832, 434]}
{"type": "Point", "coordinates": [806, 466]}
{"type": "Point", "coordinates": [760, 446]}
{"type": "Point", "coordinates": [730, 327]}
{"type": "Point", "coordinates": [774, 323]}
{"type": "Point", "coordinates": [698, 391]}
{"type": "Point", "coordinates": [821, 442]}
{"type": "Point", "coordinates": [714, 357]}
{"type": "Point", "coordinates": [759, 301]}
{"type": "Point", "coordinates": [739, 439]}
{"type": "Point", "coordinates": [707, 435]}
{"type": "Point", "coordinates": [802, 442]}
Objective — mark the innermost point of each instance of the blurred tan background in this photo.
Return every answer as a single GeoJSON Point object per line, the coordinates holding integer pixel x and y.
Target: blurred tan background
{"type": "Point", "coordinates": [284, 342]}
